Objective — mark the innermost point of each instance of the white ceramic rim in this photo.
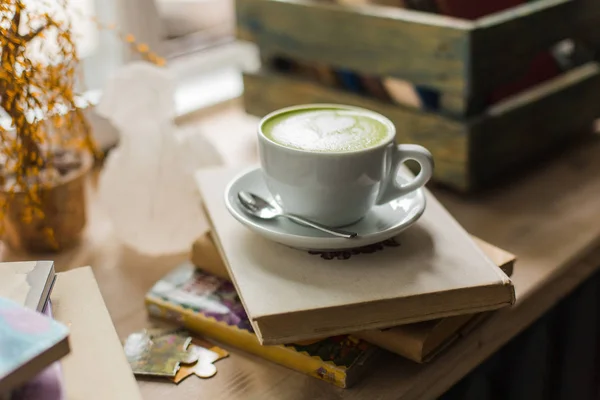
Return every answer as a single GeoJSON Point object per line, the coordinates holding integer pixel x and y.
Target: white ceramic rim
{"type": "Point", "coordinates": [374, 114]}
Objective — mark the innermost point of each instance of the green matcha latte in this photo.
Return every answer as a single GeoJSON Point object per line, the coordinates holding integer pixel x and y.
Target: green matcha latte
{"type": "Point", "coordinates": [327, 130]}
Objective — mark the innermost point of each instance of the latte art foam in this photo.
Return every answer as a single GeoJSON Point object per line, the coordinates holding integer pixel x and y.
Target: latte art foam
{"type": "Point", "coordinates": [327, 130]}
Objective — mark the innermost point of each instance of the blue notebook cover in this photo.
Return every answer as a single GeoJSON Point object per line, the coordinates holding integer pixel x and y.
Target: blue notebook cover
{"type": "Point", "coordinates": [29, 342]}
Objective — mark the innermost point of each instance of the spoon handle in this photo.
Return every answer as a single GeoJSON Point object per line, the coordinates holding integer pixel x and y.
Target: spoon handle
{"type": "Point", "coordinates": [331, 231]}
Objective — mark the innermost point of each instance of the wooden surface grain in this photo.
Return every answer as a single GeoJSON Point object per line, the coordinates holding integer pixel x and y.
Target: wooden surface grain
{"type": "Point", "coordinates": [549, 218]}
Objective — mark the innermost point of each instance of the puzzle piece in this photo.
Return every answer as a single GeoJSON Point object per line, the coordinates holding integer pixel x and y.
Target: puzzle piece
{"type": "Point", "coordinates": [158, 356]}
{"type": "Point", "coordinates": [204, 368]}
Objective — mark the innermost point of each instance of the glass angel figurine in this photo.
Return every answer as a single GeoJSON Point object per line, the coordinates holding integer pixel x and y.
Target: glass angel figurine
{"type": "Point", "coordinates": [147, 183]}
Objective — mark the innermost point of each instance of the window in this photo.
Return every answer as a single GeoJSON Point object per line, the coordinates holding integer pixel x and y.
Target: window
{"type": "Point", "coordinates": [195, 36]}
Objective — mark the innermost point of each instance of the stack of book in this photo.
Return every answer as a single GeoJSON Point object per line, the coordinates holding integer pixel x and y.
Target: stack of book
{"type": "Point", "coordinates": [329, 314]}
{"type": "Point", "coordinates": [57, 340]}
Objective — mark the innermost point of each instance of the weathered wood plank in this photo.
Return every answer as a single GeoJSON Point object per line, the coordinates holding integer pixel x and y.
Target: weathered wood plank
{"type": "Point", "coordinates": [459, 58]}
{"type": "Point", "coordinates": [445, 138]}
{"type": "Point", "coordinates": [529, 126]}
{"type": "Point", "coordinates": [502, 44]}
{"type": "Point", "coordinates": [386, 41]}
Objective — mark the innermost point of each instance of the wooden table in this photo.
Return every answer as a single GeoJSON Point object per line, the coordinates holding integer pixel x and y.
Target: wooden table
{"type": "Point", "coordinates": [550, 218]}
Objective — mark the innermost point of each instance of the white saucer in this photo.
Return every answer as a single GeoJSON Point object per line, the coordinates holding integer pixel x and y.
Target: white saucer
{"type": "Point", "coordinates": [381, 223]}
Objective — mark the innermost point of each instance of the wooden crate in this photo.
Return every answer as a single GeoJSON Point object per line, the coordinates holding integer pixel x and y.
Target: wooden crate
{"type": "Point", "coordinates": [473, 146]}
{"type": "Point", "coordinates": [463, 60]}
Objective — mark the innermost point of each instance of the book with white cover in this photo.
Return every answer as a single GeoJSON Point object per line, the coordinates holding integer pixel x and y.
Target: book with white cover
{"type": "Point", "coordinates": [291, 295]}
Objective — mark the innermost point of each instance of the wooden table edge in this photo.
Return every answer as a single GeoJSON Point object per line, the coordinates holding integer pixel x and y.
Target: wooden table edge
{"type": "Point", "coordinates": [505, 324]}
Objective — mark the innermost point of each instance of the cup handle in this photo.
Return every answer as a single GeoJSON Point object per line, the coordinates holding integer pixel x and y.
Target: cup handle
{"type": "Point", "coordinates": [390, 189]}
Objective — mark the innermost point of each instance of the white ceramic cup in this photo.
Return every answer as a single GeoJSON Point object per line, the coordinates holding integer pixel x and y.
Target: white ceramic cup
{"type": "Point", "coordinates": [338, 189]}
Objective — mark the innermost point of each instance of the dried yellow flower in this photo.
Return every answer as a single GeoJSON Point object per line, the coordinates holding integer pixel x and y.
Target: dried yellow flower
{"type": "Point", "coordinates": [38, 95]}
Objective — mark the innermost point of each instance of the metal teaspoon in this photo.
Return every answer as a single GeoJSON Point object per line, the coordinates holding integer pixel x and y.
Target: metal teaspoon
{"type": "Point", "coordinates": [260, 208]}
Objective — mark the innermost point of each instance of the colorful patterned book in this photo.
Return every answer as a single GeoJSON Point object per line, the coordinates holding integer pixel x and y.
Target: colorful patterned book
{"type": "Point", "coordinates": [29, 342]}
{"type": "Point", "coordinates": [209, 305]}
{"type": "Point", "coordinates": [48, 384]}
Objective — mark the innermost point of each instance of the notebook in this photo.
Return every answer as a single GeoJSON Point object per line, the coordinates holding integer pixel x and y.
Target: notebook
{"type": "Point", "coordinates": [291, 295]}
